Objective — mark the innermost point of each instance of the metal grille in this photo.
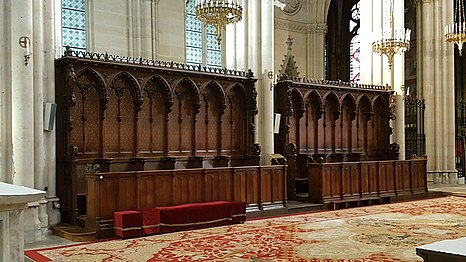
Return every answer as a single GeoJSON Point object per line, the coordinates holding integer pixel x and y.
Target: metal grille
{"type": "Point", "coordinates": [460, 158]}
{"type": "Point", "coordinates": [415, 138]}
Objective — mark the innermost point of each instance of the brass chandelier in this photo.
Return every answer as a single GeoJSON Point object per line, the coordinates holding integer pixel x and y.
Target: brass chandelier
{"type": "Point", "coordinates": [219, 13]}
{"type": "Point", "coordinates": [456, 32]}
{"type": "Point", "coordinates": [390, 41]}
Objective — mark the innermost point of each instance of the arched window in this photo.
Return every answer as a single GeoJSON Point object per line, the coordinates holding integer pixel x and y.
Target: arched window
{"type": "Point", "coordinates": [74, 24]}
{"type": "Point", "coordinates": [355, 44]}
{"type": "Point", "coordinates": [202, 47]}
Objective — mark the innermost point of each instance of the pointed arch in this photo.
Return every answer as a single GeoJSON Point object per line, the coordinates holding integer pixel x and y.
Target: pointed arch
{"type": "Point", "coordinates": [152, 120]}
{"type": "Point", "coordinates": [209, 131]}
{"type": "Point", "coordinates": [235, 120]}
{"type": "Point", "coordinates": [90, 93]}
{"type": "Point", "coordinates": [332, 112]}
{"type": "Point", "coordinates": [345, 123]}
{"type": "Point", "coordinates": [125, 100]}
{"type": "Point", "coordinates": [293, 122]}
{"type": "Point", "coordinates": [312, 122]}
{"type": "Point", "coordinates": [182, 123]}
{"type": "Point", "coordinates": [378, 126]}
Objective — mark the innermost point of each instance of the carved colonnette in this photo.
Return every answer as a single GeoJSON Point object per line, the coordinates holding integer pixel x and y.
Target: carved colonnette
{"type": "Point", "coordinates": [331, 122]}
{"type": "Point", "coordinates": [132, 114]}
{"type": "Point", "coordinates": [261, 187]}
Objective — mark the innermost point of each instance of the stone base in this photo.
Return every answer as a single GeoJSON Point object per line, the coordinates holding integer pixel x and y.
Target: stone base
{"type": "Point", "coordinates": [445, 177]}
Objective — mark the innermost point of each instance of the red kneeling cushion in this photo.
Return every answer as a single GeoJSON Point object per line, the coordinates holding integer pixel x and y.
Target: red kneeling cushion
{"type": "Point", "coordinates": [127, 223]}
{"type": "Point", "coordinates": [238, 212]}
{"type": "Point", "coordinates": [194, 216]}
{"type": "Point", "coordinates": [150, 221]}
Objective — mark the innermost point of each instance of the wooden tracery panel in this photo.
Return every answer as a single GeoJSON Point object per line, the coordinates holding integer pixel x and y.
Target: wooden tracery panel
{"type": "Point", "coordinates": [364, 114]}
{"type": "Point", "coordinates": [152, 120]}
{"type": "Point", "coordinates": [348, 114]}
{"type": "Point", "coordinates": [331, 115]}
{"type": "Point", "coordinates": [119, 123]}
{"type": "Point", "coordinates": [340, 121]}
{"type": "Point", "coordinates": [209, 120]}
{"type": "Point", "coordinates": [85, 114]}
{"type": "Point", "coordinates": [233, 142]}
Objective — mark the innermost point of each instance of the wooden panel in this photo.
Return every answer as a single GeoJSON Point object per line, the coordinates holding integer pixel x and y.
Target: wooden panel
{"type": "Point", "coordinates": [374, 187]}
{"type": "Point", "coordinates": [365, 179]}
{"type": "Point", "coordinates": [266, 186]}
{"type": "Point", "coordinates": [346, 179]}
{"type": "Point", "coordinates": [127, 192]}
{"type": "Point", "coordinates": [252, 186]}
{"type": "Point", "coordinates": [356, 181]}
{"type": "Point", "coordinates": [196, 187]}
{"type": "Point", "coordinates": [278, 185]}
{"type": "Point", "coordinates": [336, 180]}
{"type": "Point", "coordinates": [164, 192]}
{"type": "Point", "coordinates": [109, 192]}
{"type": "Point", "coordinates": [181, 188]}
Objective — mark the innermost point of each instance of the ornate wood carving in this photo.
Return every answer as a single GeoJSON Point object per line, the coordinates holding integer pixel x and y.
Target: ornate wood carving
{"type": "Point", "coordinates": [121, 112]}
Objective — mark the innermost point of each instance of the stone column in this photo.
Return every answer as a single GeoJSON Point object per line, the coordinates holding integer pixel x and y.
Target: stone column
{"type": "Point", "coordinates": [316, 45]}
{"type": "Point", "coordinates": [397, 83]}
{"type": "Point", "coordinates": [257, 37]}
{"type": "Point", "coordinates": [51, 40]}
{"type": "Point", "coordinates": [22, 96]}
{"type": "Point", "coordinates": [266, 112]}
{"type": "Point", "coordinates": [142, 28]}
{"type": "Point", "coordinates": [28, 69]}
{"type": "Point", "coordinates": [436, 86]}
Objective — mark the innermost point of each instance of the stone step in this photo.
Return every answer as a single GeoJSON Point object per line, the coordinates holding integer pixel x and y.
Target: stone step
{"type": "Point", "coordinates": [74, 233]}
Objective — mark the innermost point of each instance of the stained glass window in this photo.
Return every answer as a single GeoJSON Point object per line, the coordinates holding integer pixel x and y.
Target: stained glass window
{"type": "Point", "coordinates": [355, 46]}
{"type": "Point", "coordinates": [202, 47]}
{"type": "Point", "coordinates": [74, 24]}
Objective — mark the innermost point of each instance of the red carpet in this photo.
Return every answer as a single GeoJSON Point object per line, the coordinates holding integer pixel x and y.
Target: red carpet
{"type": "Point", "coordinates": [377, 233]}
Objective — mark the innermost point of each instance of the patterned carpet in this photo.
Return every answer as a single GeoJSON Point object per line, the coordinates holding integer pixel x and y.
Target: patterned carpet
{"type": "Point", "coordinates": [376, 233]}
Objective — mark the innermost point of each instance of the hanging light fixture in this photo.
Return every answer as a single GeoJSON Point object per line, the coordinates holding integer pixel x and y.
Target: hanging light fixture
{"type": "Point", "coordinates": [456, 32]}
{"type": "Point", "coordinates": [219, 13]}
{"type": "Point", "coordinates": [389, 41]}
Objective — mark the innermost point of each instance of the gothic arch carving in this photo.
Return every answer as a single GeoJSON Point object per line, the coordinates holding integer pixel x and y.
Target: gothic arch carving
{"type": "Point", "coordinates": [184, 85]}
{"type": "Point", "coordinates": [157, 83]}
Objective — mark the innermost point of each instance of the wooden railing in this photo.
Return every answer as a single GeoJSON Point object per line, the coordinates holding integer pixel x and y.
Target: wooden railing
{"type": "Point", "coordinates": [357, 183]}
{"type": "Point", "coordinates": [261, 187]}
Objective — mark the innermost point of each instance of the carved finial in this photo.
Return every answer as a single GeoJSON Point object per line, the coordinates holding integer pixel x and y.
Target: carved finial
{"type": "Point", "coordinates": [289, 43]}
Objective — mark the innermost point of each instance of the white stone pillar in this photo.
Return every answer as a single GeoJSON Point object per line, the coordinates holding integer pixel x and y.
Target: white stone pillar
{"type": "Point", "coordinates": [398, 80]}
{"type": "Point", "coordinates": [6, 143]}
{"type": "Point", "coordinates": [253, 46]}
{"type": "Point", "coordinates": [22, 97]}
{"type": "Point", "coordinates": [316, 46]}
{"type": "Point", "coordinates": [266, 112]}
{"type": "Point", "coordinates": [28, 67]}
{"type": "Point", "coordinates": [50, 38]}
{"type": "Point", "coordinates": [142, 28]}
{"type": "Point", "coordinates": [436, 85]}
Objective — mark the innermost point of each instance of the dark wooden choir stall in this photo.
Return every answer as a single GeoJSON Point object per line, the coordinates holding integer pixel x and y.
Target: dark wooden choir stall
{"type": "Point", "coordinates": [136, 133]}
{"type": "Point", "coordinates": [336, 139]}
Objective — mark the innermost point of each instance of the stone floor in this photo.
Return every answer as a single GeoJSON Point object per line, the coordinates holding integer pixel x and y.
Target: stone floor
{"type": "Point", "coordinates": [53, 240]}
{"type": "Point", "coordinates": [458, 189]}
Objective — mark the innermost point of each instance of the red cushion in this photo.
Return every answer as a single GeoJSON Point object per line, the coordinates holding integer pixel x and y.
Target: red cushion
{"type": "Point", "coordinates": [127, 223]}
{"type": "Point", "coordinates": [195, 216]}
{"type": "Point", "coordinates": [150, 220]}
{"type": "Point", "coordinates": [238, 212]}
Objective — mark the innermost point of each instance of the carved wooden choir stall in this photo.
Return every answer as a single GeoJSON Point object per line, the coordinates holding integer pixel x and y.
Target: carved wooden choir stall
{"type": "Point", "coordinates": [336, 139]}
{"type": "Point", "coordinates": [136, 133]}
